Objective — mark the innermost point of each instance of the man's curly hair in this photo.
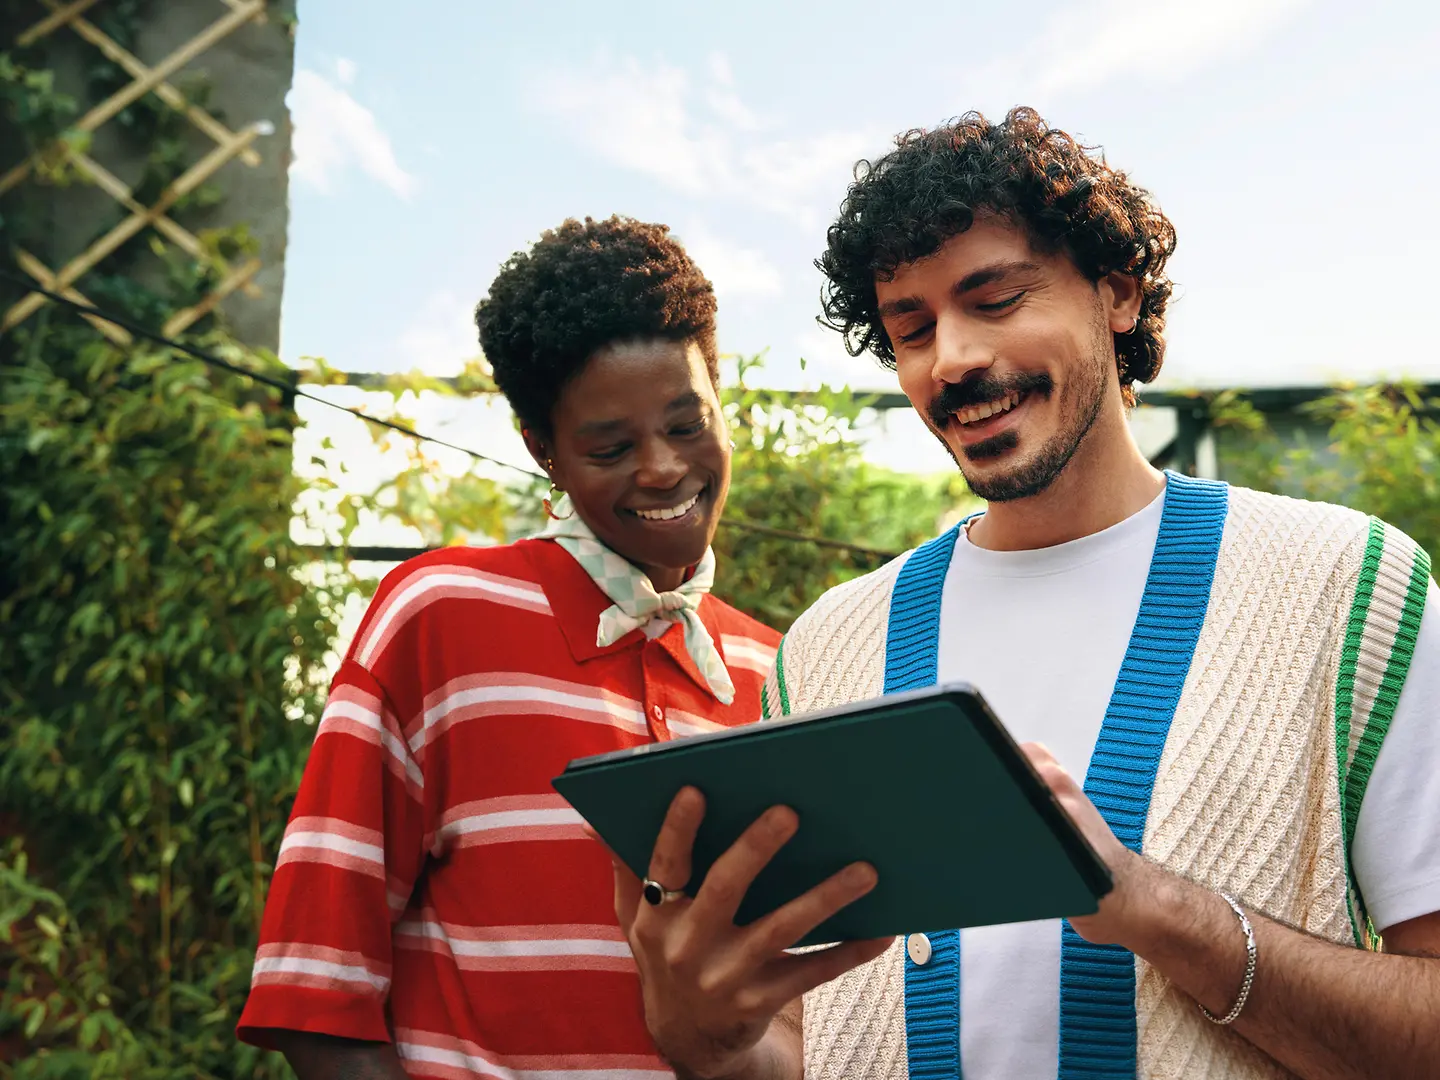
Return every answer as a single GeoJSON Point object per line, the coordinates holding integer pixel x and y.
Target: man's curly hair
{"type": "Point", "coordinates": [582, 287]}
{"type": "Point", "coordinates": [906, 205]}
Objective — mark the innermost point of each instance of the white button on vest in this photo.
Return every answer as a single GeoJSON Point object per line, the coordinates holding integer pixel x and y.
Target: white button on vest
{"type": "Point", "coordinates": [659, 713]}
{"type": "Point", "coordinates": [918, 946]}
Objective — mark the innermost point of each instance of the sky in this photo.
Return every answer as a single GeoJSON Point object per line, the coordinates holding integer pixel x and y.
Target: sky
{"type": "Point", "coordinates": [1292, 142]}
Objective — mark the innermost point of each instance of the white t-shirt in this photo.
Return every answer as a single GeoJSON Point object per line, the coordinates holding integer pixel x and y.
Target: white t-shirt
{"type": "Point", "coordinates": [1042, 635]}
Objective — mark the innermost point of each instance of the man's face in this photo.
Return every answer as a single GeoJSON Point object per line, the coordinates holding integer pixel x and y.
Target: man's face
{"type": "Point", "coordinates": [1006, 353]}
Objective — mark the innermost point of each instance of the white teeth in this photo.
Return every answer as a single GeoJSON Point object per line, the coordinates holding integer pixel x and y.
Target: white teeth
{"type": "Point", "coordinates": [670, 512]}
{"type": "Point", "coordinates": [990, 408]}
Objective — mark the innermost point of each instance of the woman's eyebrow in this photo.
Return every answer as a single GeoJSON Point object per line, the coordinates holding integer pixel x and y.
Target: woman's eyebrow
{"type": "Point", "coordinates": [688, 400]}
{"type": "Point", "coordinates": [599, 427]}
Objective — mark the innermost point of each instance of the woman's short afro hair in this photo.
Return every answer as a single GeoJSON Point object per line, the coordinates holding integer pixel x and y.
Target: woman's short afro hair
{"type": "Point", "coordinates": [583, 286]}
{"type": "Point", "coordinates": [931, 187]}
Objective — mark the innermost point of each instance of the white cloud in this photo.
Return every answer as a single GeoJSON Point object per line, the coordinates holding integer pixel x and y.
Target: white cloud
{"type": "Point", "coordinates": [345, 71]}
{"type": "Point", "coordinates": [702, 139]}
{"type": "Point", "coordinates": [1089, 44]}
{"type": "Point", "coordinates": [724, 102]}
{"type": "Point", "coordinates": [732, 269]}
{"type": "Point", "coordinates": [691, 130]}
{"type": "Point", "coordinates": [720, 69]}
{"type": "Point", "coordinates": [440, 338]}
{"type": "Point", "coordinates": [334, 132]}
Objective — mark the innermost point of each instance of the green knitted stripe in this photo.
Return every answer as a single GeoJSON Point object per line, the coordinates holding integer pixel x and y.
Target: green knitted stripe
{"type": "Point", "coordinates": [1350, 652]}
{"type": "Point", "coordinates": [1345, 690]}
{"type": "Point", "coordinates": [1388, 695]}
{"type": "Point", "coordinates": [780, 677]}
{"type": "Point", "coordinates": [765, 700]}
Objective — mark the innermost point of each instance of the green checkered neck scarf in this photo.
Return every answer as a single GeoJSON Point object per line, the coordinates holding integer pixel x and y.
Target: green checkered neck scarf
{"type": "Point", "coordinates": [635, 600]}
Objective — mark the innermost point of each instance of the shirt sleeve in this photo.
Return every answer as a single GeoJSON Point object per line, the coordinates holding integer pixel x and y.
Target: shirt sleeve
{"type": "Point", "coordinates": [1396, 851]}
{"type": "Point", "coordinates": [352, 852]}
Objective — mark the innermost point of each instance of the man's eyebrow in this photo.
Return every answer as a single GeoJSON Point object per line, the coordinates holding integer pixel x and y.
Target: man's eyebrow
{"type": "Point", "coordinates": [988, 275]}
{"type": "Point", "coordinates": [689, 399]}
{"type": "Point", "coordinates": [902, 306]}
{"type": "Point", "coordinates": [976, 279]}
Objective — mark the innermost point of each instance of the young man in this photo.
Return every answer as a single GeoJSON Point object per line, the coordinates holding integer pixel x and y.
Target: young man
{"type": "Point", "coordinates": [1247, 686]}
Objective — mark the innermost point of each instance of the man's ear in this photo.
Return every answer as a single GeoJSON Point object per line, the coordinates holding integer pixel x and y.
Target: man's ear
{"type": "Point", "coordinates": [1120, 294]}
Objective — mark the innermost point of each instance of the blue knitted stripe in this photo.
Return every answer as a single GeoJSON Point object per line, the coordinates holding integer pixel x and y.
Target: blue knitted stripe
{"type": "Point", "coordinates": [912, 646]}
{"type": "Point", "coordinates": [932, 1010]}
{"type": "Point", "coordinates": [912, 639]}
{"type": "Point", "coordinates": [1097, 982]}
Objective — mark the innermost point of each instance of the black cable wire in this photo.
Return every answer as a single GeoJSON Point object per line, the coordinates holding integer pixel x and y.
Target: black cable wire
{"type": "Point", "coordinates": [295, 391]}
{"type": "Point", "coordinates": [262, 379]}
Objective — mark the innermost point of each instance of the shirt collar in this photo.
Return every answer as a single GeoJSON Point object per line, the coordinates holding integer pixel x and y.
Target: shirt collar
{"type": "Point", "coordinates": [576, 602]}
{"type": "Point", "coordinates": [575, 599]}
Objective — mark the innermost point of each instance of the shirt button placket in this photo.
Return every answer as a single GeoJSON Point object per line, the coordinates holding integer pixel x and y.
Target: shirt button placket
{"type": "Point", "coordinates": [654, 687]}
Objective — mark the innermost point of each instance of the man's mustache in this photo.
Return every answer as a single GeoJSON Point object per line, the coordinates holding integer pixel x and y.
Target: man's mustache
{"type": "Point", "coordinates": [983, 388]}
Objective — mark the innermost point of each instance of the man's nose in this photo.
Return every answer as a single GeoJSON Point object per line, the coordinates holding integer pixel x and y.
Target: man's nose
{"type": "Point", "coordinates": [959, 350]}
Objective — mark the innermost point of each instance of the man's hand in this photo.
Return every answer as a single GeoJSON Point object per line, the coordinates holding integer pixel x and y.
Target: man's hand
{"type": "Point", "coordinates": [711, 989]}
{"type": "Point", "coordinates": [1324, 1011]}
{"type": "Point", "coordinates": [1136, 878]}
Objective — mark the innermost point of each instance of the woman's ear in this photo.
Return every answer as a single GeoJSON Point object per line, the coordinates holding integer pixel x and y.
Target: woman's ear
{"type": "Point", "coordinates": [539, 450]}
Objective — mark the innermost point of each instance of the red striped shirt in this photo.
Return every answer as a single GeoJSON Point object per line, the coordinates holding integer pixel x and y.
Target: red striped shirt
{"type": "Point", "coordinates": [432, 889]}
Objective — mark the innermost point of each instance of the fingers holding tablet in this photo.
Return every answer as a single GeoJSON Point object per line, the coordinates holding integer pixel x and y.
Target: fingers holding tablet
{"type": "Point", "coordinates": [670, 862]}
{"type": "Point", "coordinates": [711, 988]}
{"type": "Point", "coordinates": [735, 871]}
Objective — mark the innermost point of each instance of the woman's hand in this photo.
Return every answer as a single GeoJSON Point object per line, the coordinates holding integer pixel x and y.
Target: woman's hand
{"type": "Point", "coordinates": [711, 989]}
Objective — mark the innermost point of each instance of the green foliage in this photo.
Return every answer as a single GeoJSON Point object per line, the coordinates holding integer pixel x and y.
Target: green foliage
{"type": "Point", "coordinates": [798, 468]}
{"type": "Point", "coordinates": [797, 471]}
{"type": "Point", "coordinates": [1380, 454]}
{"type": "Point", "coordinates": [164, 636]}
{"type": "Point", "coordinates": [162, 140]}
{"type": "Point", "coordinates": [156, 683]}
{"type": "Point", "coordinates": [442, 507]}
{"type": "Point", "coordinates": [41, 115]}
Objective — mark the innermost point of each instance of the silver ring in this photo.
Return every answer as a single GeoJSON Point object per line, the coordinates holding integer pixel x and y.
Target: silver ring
{"type": "Point", "coordinates": [656, 894]}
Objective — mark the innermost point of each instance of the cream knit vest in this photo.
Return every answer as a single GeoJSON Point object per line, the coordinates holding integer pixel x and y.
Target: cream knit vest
{"type": "Point", "coordinates": [1311, 621]}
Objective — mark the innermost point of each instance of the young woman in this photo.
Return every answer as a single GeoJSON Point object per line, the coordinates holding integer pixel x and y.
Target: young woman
{"type": "Point", "coordinates": [437, 910]}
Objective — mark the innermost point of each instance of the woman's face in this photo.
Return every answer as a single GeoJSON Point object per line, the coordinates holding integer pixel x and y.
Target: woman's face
{"type": "Point", "coordinates": [641, 447]}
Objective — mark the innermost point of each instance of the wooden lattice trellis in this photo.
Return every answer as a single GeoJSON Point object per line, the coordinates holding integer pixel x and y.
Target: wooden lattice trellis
{"type": "Point", "coordinates": [144, 80]}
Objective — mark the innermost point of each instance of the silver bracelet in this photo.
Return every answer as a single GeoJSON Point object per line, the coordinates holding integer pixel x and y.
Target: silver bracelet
{"type": "Point", "coordinates": [1250, 954]}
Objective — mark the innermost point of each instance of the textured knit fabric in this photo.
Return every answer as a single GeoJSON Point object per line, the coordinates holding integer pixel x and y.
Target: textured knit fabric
{"type": "Point", "coordinates": [432, 889]}
{"type": "Point", "coordinates": [1254, 778]}
{"type": "Point", "coordinates": [912, 642]}
{"type": "Point", "coordinates": [636, 600]}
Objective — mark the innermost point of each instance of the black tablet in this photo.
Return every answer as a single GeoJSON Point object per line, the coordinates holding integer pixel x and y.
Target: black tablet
{"type": "Point", "coordinates": [927, 786]}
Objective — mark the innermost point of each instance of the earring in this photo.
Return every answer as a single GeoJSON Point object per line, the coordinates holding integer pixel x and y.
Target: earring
{"type": "Point", "coordinates": [552, 497]}
{"type": "Point", "coordinates": [1134, 325]}
{"type": "Point", "coordinates": [549, 505]}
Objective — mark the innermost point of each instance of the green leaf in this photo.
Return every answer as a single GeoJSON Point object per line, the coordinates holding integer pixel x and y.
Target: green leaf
{"type": "Point", "coordinates": [34, 1020]}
